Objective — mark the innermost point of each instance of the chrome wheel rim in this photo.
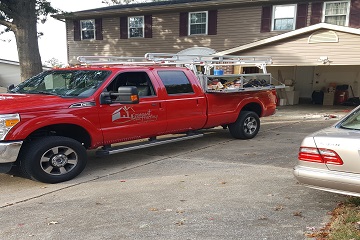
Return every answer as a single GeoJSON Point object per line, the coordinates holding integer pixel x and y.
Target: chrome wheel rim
{"type": "Point", "coordinates": [250, 125]}
{"type": "Point", "coordinates": [59, 160]}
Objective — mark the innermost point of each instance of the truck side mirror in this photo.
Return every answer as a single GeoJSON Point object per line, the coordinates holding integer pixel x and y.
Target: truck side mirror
{"type": "Point", "coordinates": [125, 95]}
{"type": "Point", "coordinates": [11, 87]}
{"type": "Point", "coordinates": [105, 98]}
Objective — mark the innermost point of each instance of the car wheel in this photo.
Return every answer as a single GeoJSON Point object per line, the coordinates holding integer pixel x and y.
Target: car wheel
{"type": "Point", "coordinates": [246, 126]}
{"type": "Point", "coordinates": [52, 159]}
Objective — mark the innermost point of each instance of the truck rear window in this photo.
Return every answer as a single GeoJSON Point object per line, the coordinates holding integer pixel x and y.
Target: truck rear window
{"type": "Point", "coordinates": [175, 82]}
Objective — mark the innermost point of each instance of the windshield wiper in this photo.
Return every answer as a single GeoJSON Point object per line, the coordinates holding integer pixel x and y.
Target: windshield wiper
{"type": "Point", "coordinates": [43, 92]}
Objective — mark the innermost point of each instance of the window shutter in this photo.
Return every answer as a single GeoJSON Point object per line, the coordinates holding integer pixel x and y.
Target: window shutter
{"type": "Point", "coordinates": [148, 26]}
{"type": "Point", "coordinates": [212, 22]}
{"type": "Point", "coordinates": [316, 13]}
{"type": "Point", "coordinates": [301, 15]}
{"type": "Point", "coordinates": [98, 29]}
{"type": "Point", "coordinates": [266, 19]}
{"type": "Point", "coordinates": [77, 30]}
{"type": "Point", "coordinates": [354, 20]}
{"type": "Point", "coordinates": [183, 28]}
{"type": "Point", "coordinates": [123, 28]}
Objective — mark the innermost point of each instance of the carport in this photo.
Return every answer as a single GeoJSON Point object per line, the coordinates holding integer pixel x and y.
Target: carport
{"type": "Point", "coordinates": [314, 58]}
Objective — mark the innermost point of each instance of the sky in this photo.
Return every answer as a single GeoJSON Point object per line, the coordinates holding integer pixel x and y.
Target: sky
{"type": "Point", "coordinates": [53, 43]}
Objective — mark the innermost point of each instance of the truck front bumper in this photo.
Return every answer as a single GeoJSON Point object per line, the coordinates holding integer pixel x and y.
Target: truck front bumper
{"type": "Point", "coordinates": [9, 151]}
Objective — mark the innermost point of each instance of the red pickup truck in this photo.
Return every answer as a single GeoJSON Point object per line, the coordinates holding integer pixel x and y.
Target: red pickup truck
{"type": "Point", "coordinates": [49, 121]}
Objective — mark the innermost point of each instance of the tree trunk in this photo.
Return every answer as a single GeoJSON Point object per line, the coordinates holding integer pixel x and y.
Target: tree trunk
{"type": "Point", "coordinates": [27, 39]}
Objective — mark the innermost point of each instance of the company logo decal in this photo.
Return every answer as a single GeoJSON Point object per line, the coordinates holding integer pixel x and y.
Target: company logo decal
{"type": "Point", "coordinates": [126, 114]}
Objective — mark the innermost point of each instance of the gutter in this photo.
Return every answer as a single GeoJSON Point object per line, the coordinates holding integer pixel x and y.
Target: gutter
{"type": "Point", "coordinates": [153, 7]}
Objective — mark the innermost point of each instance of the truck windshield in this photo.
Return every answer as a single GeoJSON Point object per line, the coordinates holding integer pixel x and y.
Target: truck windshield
{"type": "Point", "coordinates": [63, 83]}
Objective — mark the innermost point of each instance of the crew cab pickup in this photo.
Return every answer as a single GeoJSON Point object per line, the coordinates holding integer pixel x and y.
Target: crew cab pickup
{"type": "Point", "coordinates": [49, 121]}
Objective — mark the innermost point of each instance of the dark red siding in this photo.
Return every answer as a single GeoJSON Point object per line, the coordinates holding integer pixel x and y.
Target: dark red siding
{"type": "Point", "coordinates": [266, 19]}
{"type": "Point", "coordinates": [123, 28]}
{"type": "Point", "coordinates": [98, 29]}
{"type": "Point", "coordinates": [148, 26]}
{"type": "Point", "coordinates": [183, 28]}
{"type": "Point", "coordinates": [316, 13]}
{"type": "Point", "coordinates": [354, 20]}
{"type": "Point", "coordinates": [77, 31]}
{"type": "Point", "coordinates": [212, 23]}
{"type": "Point", "coordinates": [301, 15]}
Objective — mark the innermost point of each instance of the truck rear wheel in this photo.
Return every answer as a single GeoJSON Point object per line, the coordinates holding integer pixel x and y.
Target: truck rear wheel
{"type": "Point", "coordinates": [246, 126]}
{"type": "Point", "coordinates": [53, 159]}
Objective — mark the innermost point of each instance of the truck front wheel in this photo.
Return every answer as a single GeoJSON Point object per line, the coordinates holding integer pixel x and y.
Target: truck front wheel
{"type": "Point", "coordinates": [246, 126]}
{"type": "Point", "coordinates": [52, 159]}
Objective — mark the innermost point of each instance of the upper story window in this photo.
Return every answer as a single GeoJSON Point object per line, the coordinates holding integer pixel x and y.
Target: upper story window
{"type": "Point", "coordinates": [337, 12]}
{"type": "Point", "coordinates": [87, 29]}
{"type": "Point", "coordinates": [136, 27]}
{"type": "Point", "coordinates": [284, 17]}
{"type": "Point", "coordinates": [198, 23]}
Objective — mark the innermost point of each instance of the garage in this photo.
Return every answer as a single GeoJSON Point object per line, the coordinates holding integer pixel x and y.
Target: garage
{"type": "Point", "coordinates": [321, 59]}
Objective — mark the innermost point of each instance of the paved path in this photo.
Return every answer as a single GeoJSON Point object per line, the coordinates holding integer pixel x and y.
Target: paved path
{"type": "Point", "coordinates": [209, 188]}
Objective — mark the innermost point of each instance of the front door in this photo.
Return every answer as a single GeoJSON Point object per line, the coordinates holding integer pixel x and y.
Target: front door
{"type": "Point", "coordinates": [121, 122]}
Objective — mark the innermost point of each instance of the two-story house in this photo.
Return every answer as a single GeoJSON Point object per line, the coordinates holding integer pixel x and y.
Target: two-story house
{"type": "Point", "coordinates": [313, 43]}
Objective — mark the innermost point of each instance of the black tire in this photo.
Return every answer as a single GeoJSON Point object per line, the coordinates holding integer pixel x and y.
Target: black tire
{"type": "Point", "coordinates": [52, 159]}
{"type": "Point", "coordinates": [246, 126]}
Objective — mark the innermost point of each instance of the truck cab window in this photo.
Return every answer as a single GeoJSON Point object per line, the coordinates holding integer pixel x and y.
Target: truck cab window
{"type": "Point", "coordinates": [175, 82]}
{"type": "Point", "coordinates": [140, 80]}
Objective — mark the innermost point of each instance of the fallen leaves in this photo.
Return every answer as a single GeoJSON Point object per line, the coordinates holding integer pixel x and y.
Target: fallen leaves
{"type": "Point", "coordinates": [298, 214]}
{"type": "Point", "coordinates": [180, 222]}
{"type": "Point", "coordinates": [279, 208]}
{"type": "Point", "coordinates": [53, 223]}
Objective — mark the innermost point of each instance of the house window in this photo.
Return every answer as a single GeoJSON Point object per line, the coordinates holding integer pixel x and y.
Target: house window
{"type": "Point", "coordinates": [284, 17]}
{"type": "Point", "coordinates": [87, 29]}
{"type": "Point", "coordinates": [136, 27]}
{"type": "Point", "coordinates": [336, 13]}
{"type": "Point", "coordinates": [198, 23]}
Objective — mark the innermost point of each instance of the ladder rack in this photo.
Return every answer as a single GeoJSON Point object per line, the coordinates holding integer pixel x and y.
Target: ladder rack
{"type": "Point", "coordinates": [207, 59]}
{"type": "Point", "coordinates": [176, 59]}
{"type": "Point", "coordinates": [102, 60]}
{"type": "Point", "coordinates": [201, 66]}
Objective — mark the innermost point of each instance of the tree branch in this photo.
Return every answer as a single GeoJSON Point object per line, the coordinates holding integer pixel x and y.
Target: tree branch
{"type": "Point", "coordinates": [8, 24]}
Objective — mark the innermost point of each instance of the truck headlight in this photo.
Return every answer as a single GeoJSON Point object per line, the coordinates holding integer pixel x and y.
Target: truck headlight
{"type": "Point", "coordinates": [7, 121]}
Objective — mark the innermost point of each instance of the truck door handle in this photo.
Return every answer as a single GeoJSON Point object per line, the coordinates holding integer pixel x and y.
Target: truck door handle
{"type": "Point", "coordinates": [156, 104]}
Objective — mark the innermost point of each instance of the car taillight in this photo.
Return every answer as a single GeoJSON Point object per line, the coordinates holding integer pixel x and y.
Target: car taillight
{"type": "Point", "coordinates": [319, 155]}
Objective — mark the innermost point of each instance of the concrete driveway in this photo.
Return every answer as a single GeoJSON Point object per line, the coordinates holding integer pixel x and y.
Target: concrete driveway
{"type": "Point", "coordinates": [214, 187]}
